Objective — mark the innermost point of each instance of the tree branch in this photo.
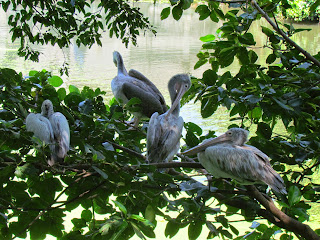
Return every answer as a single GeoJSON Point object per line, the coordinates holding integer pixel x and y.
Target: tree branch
{"type": "Point", "coordinates": [127, 150]}
{"type": "Point", "coordinates": [278, 30]}
{"type": "Point", "coordinates": [290, 224]}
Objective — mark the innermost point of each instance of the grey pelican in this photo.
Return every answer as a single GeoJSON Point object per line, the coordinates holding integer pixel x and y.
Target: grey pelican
{"type": "Point", "coordinates": [60, 129]}
{"type": "Point", "coordinates": [227, 156]}
{"type": "Point", "coordinates": [134, 84]}
{"type": "Point", "coordinates": [164, 131]}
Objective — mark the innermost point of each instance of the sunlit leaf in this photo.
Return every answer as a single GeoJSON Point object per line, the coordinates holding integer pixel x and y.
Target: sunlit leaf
{"type": "Point", "coordinates": [55, 81]}
{"type": "Point", "coordinates": [207, 38]}
{"type": "Point", "coordinates": [294, 195]}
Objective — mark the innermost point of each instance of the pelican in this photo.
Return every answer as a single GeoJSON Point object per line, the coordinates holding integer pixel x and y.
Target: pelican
{"type": "Point", "coordinates": [60, 129]}
{"type": "Point", "coordinates": [227, 156]}
{"type": "Point", "coordinates": [134, 84]}
{"type": "Point", "coordinates": [164, 131]}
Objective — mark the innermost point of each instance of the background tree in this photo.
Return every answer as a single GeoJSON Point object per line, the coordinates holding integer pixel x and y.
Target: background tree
{"type": "Point", "coordinates": [105, 172]}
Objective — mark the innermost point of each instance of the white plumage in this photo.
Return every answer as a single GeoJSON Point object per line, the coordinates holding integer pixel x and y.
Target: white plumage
{"type": "Point", "coordinates": [52, 128]}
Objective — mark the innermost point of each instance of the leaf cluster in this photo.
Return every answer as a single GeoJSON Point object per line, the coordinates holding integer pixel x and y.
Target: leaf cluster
{"type": "Point", "coordinates": [61, 22]}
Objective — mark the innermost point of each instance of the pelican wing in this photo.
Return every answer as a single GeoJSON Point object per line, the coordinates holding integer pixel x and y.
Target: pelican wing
{"type": "Point", "coordinates": [138, 75]}
{"type": "Point", "coordinates": [61, 132]}
{"type": "Point", "coordinates": [256, 151]}
{"type": "Point", "coordinates": [40, 126]}
{"type": "Point", "coordinates": [163, 138]}
{"type": "Point", "coordinates": [150, 102]}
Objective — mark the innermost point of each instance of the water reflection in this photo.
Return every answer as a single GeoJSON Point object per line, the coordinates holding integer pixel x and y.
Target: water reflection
{"type": "Point", "coordinates": [173, 50]}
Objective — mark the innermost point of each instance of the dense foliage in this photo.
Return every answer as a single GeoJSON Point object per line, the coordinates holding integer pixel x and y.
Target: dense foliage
{"type": "Point", "coordinates": [300, 11]}
{"type": "Point", "coordinates": [106, 175]}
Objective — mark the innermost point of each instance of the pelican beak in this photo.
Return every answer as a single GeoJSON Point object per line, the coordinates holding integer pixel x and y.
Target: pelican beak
{"type": "Point", "coordinates": [181, 91]}
{"type": "Point", "coordinates": [206, 144]}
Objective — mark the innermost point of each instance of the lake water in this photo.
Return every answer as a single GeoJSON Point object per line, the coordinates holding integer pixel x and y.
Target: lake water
{"type": "Point", "coordinates": [173, 50]}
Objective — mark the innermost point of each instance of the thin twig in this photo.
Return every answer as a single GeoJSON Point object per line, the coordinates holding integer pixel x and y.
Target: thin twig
{"type": "Point", "coordinates": [127, 150]}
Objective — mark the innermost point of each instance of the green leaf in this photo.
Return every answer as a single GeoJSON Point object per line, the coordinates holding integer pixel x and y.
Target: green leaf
{"type": "Point", "coordinates": [209, 106]}
{"type": "Point", "coordinates": [86, 215]}
{"type": "Point", "coordinates": [105, 228]}
{"type": "Point", "coordinates": [294, 195]}
{"type": "Point", "coordinates": [176, 12]}
{"type": "Point", "coordinates": [165, 13]}
{"type": "Point", "coordinates": [271, 58]}
{"type": "Point", "coordinates": [187, 4]}
{"type": "Point", "coordinates": [207, 38]}
{"type": "Point", "coordinates": [137, 231]}
{"type": "Point", "coordinates": [253, 56]}
{"type": "Point", "coordinates": [172, 229]}
{"type": "Point", "coordinates": [209, 77]}
{"type": "Point", "coordinates": [62, 93]}
{"type": "Point", "coordinates": [194, 230]}
{"type": "Point", "coordinates": [256, 113]}
{"type": "Point", "coordinates": [117, 234]}
{"type": "Point", "coordinates": [264, 130]}
{"type": "Point", "coordinates": [150, 213]}
{"type": "Point", "coordinates": [281, 104]}
{"type": "Point", "coordinates": [200, 63]}
{"type": "Point", "coordinates": [247, 38]}
{"type": "Point", "coordinates": [102, 173]}
{"type": "Point", "coordinates": [214, 17]}
{"type": "Point", "coordinates": [74, 89]}
{"type": "Point", "coordinates": [267, 31]}
{"type": "Point", "coordinates": [121, 207]}
{"type": "Point", "coordinates": [55, 81]}
{"type": "Point", "coordinates": [243, 56]}
{"type": "Point", "coordinates": [32, 73]}
{"type": "Point", "coordinates": [203, 11]}
{"type": "Point", "coordinates": [194, 128]}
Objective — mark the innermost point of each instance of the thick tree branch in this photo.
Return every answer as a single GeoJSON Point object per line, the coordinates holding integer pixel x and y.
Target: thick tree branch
{"type": "Point", "coordinates": [290, 223]}
{"type": "Point", "coordinates": [278, 30]}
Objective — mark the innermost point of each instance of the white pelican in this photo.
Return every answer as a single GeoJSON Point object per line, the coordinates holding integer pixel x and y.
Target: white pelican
{"type": "Point", "coordinates": [60, 129]}
{"type": "Point", "coordinates": [135, 85]}
{"type": "Point", "coordinates": [164, 131]}
{"type": "Point", "coordinates": [227, 156]}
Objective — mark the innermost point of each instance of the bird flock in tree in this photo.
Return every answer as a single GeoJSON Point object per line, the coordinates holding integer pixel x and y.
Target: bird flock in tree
{"type": "Point", "coordinates": [226, 156]}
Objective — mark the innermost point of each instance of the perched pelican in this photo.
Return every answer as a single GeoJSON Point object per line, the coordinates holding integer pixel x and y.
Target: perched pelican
{"type": "Point", "coordinates": [60, 129]}
{"type": "Point", "coordinates": [164, 131]}
{"type": "Point", "coordinates": [227, 156]}
{"type": "Point", "coordinates": [134, 84]}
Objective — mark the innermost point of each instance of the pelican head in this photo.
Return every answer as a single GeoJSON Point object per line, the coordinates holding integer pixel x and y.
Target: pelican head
{"type": "Point", "coordinates": [178, 85]}
{"type": "Point", "coordinates": [47, 108]}
{"type": "Point", "coordinates": [235, 136]}
{"type": "Point", "coordinates": [116, 56]}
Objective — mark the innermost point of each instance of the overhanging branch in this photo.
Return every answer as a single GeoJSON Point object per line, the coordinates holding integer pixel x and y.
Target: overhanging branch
{"type": "Point", "coordinates": [278, 30]}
